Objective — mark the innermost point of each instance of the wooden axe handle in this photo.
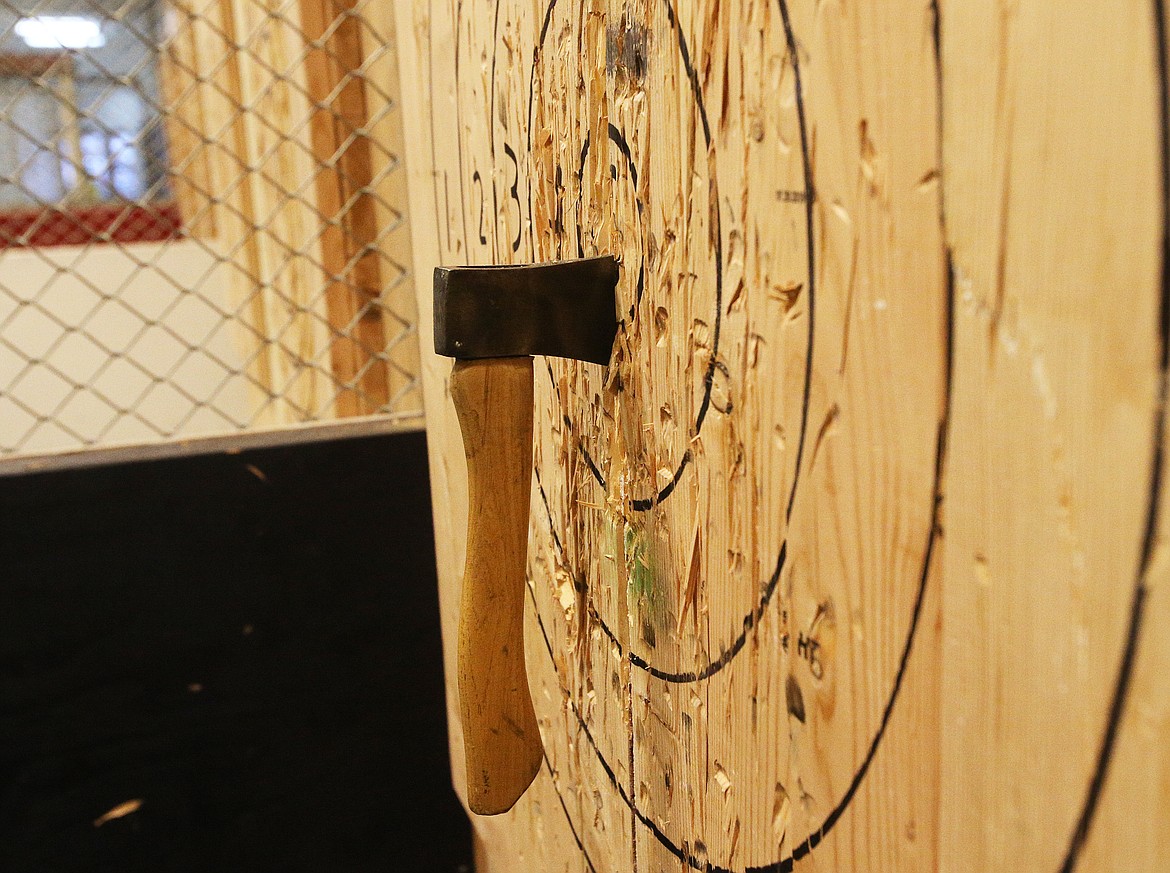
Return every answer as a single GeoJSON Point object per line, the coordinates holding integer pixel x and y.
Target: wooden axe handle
{"type": "Point", "coordinates": [493, 398]}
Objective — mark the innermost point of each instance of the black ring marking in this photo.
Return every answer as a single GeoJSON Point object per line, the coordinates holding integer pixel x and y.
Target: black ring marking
{"type": "Point", "coordinates": [548, 764]}
{"type": "Point", "coordinates": [568, 818]}
{"type": "Point", "coordinates": [749, 620]}
{"type": "Point", "coordinates": [580, 186]}
{"type": "Point", "coordinates": [531, 92]}
{"type": "Point", "coordinates": [645, 503]}
{"type": "Point", "coordinates": [1125, 669]}
{"type": "Point", "coordinates": [618, 139]}
{"type": "Point", "coordinates": [810, 234]}
{"type": "Point", "coordinates": [810, 842]}
{"type": "Point", "coordinates": [786, 865]}
{"type": "Point", "coordinates": [726, 409]}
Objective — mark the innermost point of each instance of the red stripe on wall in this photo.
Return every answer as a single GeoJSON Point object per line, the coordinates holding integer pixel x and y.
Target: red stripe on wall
{"type": "Point", "coordinates": [75, 226]}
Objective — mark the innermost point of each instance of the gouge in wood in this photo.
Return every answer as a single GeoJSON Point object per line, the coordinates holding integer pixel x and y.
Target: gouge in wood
{"type": "Point", "coordinates": [492, 319]}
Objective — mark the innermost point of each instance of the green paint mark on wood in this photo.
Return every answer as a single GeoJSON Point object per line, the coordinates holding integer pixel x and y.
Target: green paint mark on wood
{"type": "Point", "coordinates": [638, 563]}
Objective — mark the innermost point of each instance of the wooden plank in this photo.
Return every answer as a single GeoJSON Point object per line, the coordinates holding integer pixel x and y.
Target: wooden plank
{"type": "Point", "coordinates": [389, 197]}
{"type": "Point", "coordinates": [278, 158]}
{"type": "Point", "coordinates": [349, 262]}
{"type": "Point", "coordinates": [1056, 219]}
{"type": "Point", "coordinates": [422, 41]}
{"type": "Point", "coordinates": [201, 72]}
{"type": "Point", "coordinates": [191, 169]}
{"type": "Point", "coordinates": [750, 645]}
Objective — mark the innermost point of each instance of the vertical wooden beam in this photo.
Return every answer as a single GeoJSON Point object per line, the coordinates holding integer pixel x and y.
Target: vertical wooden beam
{"type": "Point", "coordinates": [349, 257]}
{"type": "Point", "coordinates": [203, 88]}
{"type": "Point", "coordinates": [186, 121]}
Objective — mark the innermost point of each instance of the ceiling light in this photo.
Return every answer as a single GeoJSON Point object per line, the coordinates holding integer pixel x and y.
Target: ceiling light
{"type": "Point", "coordinates": [60, 32]}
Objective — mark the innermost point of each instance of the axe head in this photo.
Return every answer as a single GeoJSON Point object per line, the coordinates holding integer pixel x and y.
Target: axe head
{"type": "Point", "coordinates": [566, 309]}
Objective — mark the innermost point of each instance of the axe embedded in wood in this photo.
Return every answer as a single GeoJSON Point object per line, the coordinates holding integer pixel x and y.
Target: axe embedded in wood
{"type": "Point", "coordinates": [492, 320]}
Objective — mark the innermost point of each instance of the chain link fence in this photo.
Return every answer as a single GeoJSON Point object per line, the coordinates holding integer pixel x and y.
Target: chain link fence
{"type": "Point", "coordinates": [202, 220]}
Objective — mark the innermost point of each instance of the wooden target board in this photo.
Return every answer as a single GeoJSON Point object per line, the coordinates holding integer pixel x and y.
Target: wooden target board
{"type": "Point", "coordinates": [849, 559]}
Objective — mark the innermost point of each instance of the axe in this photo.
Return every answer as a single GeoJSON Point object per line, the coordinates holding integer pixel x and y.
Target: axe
{"type": "Point", "coordinates": [492, 320]}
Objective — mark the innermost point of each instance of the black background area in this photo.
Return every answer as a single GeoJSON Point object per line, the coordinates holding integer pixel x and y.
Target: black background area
{"type": "Point", "coordinates": [249, 644]}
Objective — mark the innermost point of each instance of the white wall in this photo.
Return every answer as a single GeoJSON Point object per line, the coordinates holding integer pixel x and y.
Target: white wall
{"type": "Point", "coordinates": [106, 340]}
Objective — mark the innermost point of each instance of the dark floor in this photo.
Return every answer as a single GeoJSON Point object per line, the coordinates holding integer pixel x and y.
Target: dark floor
{"type": "Point", "coordinates": [245, 647]}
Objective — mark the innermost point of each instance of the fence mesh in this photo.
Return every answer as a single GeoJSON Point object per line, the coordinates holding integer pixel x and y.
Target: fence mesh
{"type": "Point", "coordinates": [202, 219]}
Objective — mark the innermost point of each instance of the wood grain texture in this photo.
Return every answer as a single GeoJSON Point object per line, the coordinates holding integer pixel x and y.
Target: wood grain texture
{"type": "Point", "coordinates": [502, 748]}
{"type": "Point", "coordinates": [274, 290]}
{"type": "Point", "coordinates": [345, 201]}
{"type": "Point", "coordinates": [1055, 212]}
{"type": "Point", "coordinates": [834, 566]}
